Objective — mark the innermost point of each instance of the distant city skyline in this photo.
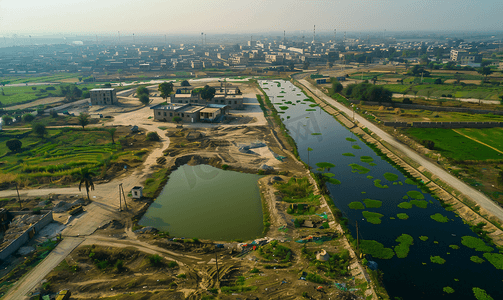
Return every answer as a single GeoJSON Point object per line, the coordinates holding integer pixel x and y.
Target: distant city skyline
{"type": "Point", "coordinates": [255, 16]}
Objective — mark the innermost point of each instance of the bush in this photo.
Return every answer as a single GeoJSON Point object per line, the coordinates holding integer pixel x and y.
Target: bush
{"type": "Point", "coordinates": [28, 118]}
{"type": "Point", "coordinates": [407, 101]}
{"type": "Point", "coordinates": [155, 260]}
{"type": "Point", "coordinates": [225, 167]}
{"type": "Point", "coordinates": [50, 88]}
{"type": "Point", "coordinates": [172, 264]}
{"type": "Point", "coordinates": [428, 144]}
{"type": "Point", "coordinates": [54, 113]}
{"type": "Point", "coordinates": [14, 145]}
{"type": "Point", "coordinates": [153, 136]}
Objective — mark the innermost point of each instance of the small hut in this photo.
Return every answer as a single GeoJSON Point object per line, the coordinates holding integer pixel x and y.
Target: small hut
{"type": "Point", "coordinates": [137, 192]}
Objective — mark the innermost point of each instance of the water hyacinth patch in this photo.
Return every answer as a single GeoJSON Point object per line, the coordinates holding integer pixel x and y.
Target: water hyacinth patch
{"type": "Point", "coordinates": [370, 177]}
{"type": "Point", "coordinates": [316, 133]}
{"type": "Point", "coordinates": [359, 169]}
{"type": "Point", "coordinates": [402, 216]}
{"type": "Point", "coordinates": [496, 259]}
{"type": "Point", "coordinates": [310, 109]}
{"type": "Point", "coordinates": [477, 259]}
{"type": "Point", "coordinates": [448, 290]}
{"type": "Point", "coordinates": [372, 217]}
{"type": "Point", "coordinates": [372, 164]}
{"type": "Point", "coordinates": [325, 165]}
{"type": "Point", "coordinates": [415, 194]}
{"type": "Point", "coordinates": [423, 238]}
{"type": "Point", "coordinates": [419, 203]}
{"type": "Point", "coordinates": [313, 105]}
{"type": "Point", "coordinates": [455, 247]}
{"type": "Point", "coordinates": [437, 260]}
{"type": "Point", "coordinates": [369, 203]}
{"type": "Point", "coordinates": [481, 294]}
{"type": "Point", "coordinates": [376, 249]}
{"type": "Point", "coordinates": [350, 140]}
{"type": "Point", "coordinates": [283, 107]}
{"type": "Point", "coordinates": [333, 181]}
{"type": "Point", "coordinates": [348, 154]}
{"type": "Point", "coordinates": [356, 147]}
{"type": "Point", "coordinates": [378, 184]}
{"type": "Point", "coordinates": [356, 205]}
{"type": "Point", "coordinates": [410, 181]}
{"type": "Point", "coordinates": [366, 159]}
{"type": "Point", "coordinates": [475, 243]}
{"type": "Point", "coordinates": [405, 205]}
{"type": "Point", "coordinates": [390, 176]}
{"type": "Point", "coordinates": [439, 218]}
{"type": "Point", "coordinates": [402, 249]}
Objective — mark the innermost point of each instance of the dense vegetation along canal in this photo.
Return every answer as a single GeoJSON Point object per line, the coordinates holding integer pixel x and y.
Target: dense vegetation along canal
{"type": "Point", "coordinates": [446, 259]}
{"type": "Point", "coordinates": [208, 203]}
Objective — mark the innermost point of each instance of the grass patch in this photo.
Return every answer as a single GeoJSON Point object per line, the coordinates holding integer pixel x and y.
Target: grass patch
{"type": "Point", "coordinates": [360, 169]}
{"type": "Point", "coordinates": [372, 217]}
{"type": "Point", "coordinates": [316, 133]}
{"type": "Point", "coordinates": [496, 259]}
{"type": "Point", "coordinates": [376, 249]}
{"type": "Point", "coordinates": [369, 203]}
{"type": "Point", "coordinates": [423, 238]}
{"type": "Point", "coordinates": [348, 154]}
{"type": "Point", "coordinates": [283, 107]}
{"type": "Point", "coordinates": [477, 259]}
{"type": "Point", "coordinates": [310, 109]}
{"type": "Point", "coordinates": [405, 205]}
{"type": "Point", "coordinates": [325, 165]}
{"type": "Point", "coordinates": [437, 260]}
{"type": "Point", "coordinates": [155, 183]}
{"type": "Point", "coordinates": [448, 290]}
{"type": "Point", "coordinates": [475, 243]}
{"type": "Point", "coordinates": [356, 205]}
{"type": "Point", "coordinates": [390, 176]}
{"type": "Point", "coordinates": [402, 249]}
{"type": "Point", "coordinates": [402, 216]}
{"type": "Point", "coordinates": [275, 251]}
{"type": "Point", "coordinates": [439, 218]}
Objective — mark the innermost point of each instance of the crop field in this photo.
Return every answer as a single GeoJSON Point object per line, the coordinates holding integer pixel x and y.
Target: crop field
{"type": "Point", "coordinates": [455, 146]}
{"type": "Point", "coordinates": [490, 136]}
{"type": "Point", "coordinates": [60, 153]}
{"type": "Point", "coordinates": [437, 90]}
{"type": "Point", "coordinates": [420, 115]}
{"type": "Point", "coordinates": [63, 77]}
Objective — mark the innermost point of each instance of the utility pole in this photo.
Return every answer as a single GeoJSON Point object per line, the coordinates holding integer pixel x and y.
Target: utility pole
{"type": "Point", "coordinates": [19, 198]}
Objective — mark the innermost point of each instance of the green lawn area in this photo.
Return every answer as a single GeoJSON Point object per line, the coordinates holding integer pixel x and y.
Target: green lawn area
{"type": "Point", "coordinates": [61, 152]}
{"type": "Point", "coordinates": [490, 136]}
{"type": "Point", "coordinates": [31, 79]}
{"type": "Point", "coordinates": [455, 146]}
{"type": "Point", "coordinates": [419, 115]}
{"type": "Point", "coordinates": [437, 90]}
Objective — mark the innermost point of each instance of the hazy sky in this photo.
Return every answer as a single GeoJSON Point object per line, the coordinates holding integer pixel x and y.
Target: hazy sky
{"type": "Point", "coordinates": [240, 16]}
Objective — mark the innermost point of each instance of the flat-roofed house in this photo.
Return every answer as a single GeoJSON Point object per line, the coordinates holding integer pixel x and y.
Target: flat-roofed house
{"type": "Point", "coordinates": [106, 96]}
{"type": "Point", "coordinates": [189, 113]}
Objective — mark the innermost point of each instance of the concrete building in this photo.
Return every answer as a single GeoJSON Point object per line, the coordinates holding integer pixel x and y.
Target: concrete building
{"type": "Point", "coordinates": [190, 113]}
{"type": "Point", "coordinates": [229, 97]}
{"type": "Point", "coordinates": [464, 56]}
{"type": "Point", "coordinates": [105, 96]}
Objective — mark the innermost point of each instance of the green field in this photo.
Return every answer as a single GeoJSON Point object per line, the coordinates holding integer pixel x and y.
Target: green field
{"type": "Point", "coordinates": [455, 146]}
{"type": "Point", "coordinates": [31, 79]}
{"type": "Point", "coordinates": [458, 91]}
{"type": "Point", "coordinates": [61, 152]}
{"type": "Point", "coordinates": [490, 136]}
{"type": "Point", "coordinates": [420, 115]}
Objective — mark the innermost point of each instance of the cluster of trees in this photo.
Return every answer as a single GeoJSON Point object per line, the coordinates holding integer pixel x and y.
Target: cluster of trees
{"type": "Point", "coordinates": [71, 92]}
{"type": "Point", "coordinates": [143, 94]}
{"type": "Point", "coordinates": [208, 92]}
{"type": "Point", "coordinates": [368, 92]}
{"type": "Point", "coordinates": [166, 88]}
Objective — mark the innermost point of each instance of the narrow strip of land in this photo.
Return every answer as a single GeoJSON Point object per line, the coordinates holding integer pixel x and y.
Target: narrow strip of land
{"type": "Point", "coordinates": [454, 182]}
{"type": "Point", "coordinates": [475, 140]}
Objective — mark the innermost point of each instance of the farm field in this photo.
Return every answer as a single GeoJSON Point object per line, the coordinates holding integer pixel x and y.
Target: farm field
{"type": "Point", "coordinates": [63, 77]}
{"type": "Point", "coordinates": [419, 115]}
{"type": "Point", "coordinates": [62, 153]}
{"type": "Point", "coordinates": [455, 146]}
{"type": "Point", "coordinates": [490, 136]}
{"type": "Point", "coordinates": [484, 92]}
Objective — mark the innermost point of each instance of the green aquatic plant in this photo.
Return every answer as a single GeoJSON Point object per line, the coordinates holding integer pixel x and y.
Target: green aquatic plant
{"type": "Point", "coordinates": [439, 218]}
{"type": "Point", "coordinates": [437, 260]}
{"type": "Point", "coordinates": [313, 105]}
{"type": "Point", "coordinates": [402, 216]}
{"type": "Point", "coordinates": [350, 139]}
{"type": "Point", "coordinates": [455, 247]}
{"type": "Point", "coordinates": [366, 159]}
{"type": "Point", "coordinates": [359, 169]}
{"type": "Point", "coordinates": [376, 249]}
{"type": "Point", "coordinates": [410, 181]}
{"type": "Point", "coordinates": [419, 203]}
{"type": "Point", "coordinates": [372, 164]}
{"type": "Point", "coordinates": [402, 249]}
{"type": "Point", "coordinates": [372, 217]}
{"type": "Point", "coordinates": [416, 195]}
{"type": "Point", "coordinates": [477, 259]}
{"type": "Point", "coordinates": [481, 294]}
{"type": "Point", "coordinates": [325, 165]}
{"type": "Point", "coordinates": [405, 197]}
{"type": "Point", "coordinates": [356, 147]}
{"type": "Point", "coordinates": [369, 203]}
{"type": "Point", "coordinates": [370, 177]}
{"type": "Point", "coordinates": [378, 184]}
{"type": "Point", "coordinates": [448, 290]}
{"type": "Point", "coordinates": [475, 243]}
{"type": "Point", "coordinates": [328, 174]}
{"type": "Point", "coordinates": [405, 205]}
{"type": "Point", "coordinates": [356, 205]}
{"type": "Point", "coordinates": [496, 259]}
{"type": "Point", "coordinates": [283, 107]}
{"type": "Point", "coordinates": [333, 181]}
{"type": "Point", "coordinates": [310, 109]}
{"type": "Point", "coordinates": [316, 133]}
{"type": "Point", "coordinates": [348, 154]}
{"type": "Point", "coordinates": [390, 176]}
{"type": "Point", "coordinates": [423, 238]}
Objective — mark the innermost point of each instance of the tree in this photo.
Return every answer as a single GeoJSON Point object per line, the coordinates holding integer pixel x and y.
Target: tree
{"type": "Point", "coordinates": [85, 177]}
{"type": "Point", "coordinates": [165, 88]}
{"type": "Point", "coordinates": [486, 71]}
{"type": "Point", "coordinates": [107, 85]}
{"type": "Point", "coordinates": [142, 90]}
{"type": "Point", "coordinates": [176, 119]}
{"type": "Point", "coordinates": [112, 133]}
{"type": "Point", "coordinates": [83, 120]}
{"type": "Point", "coordinates": [428, 94]}
{"type": "Point", "coordinates": [14, 145]}
{"type": "Point", "coordinates": [291, 66]}
{"type": "Point", "coordinates": [28, 118]}
{"type": "Point", "coordinates": [71, 92]}
{"type": "Point", "coordinates": [54, 113]}
{"type": "Point", "coordinates": [208, 92]}
{"type": "Point", "coordinates": [185, 83]}
{"type": "Point", "coordinates": [438, 81]}
{"type": "Point", "coordinates": [39, 129]}
{"type": "Point", "coordinates": [7, 119]}
{"type": "Point", "coordinates": [336, 85]}
{"type": "Point", "coordinates": [144, 99]}
{"type": "Point", "coordinates": [153, 136]}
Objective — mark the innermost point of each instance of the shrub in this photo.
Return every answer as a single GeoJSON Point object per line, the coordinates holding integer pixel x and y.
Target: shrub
{"type": "Point", "coordinates": [407, 101]}
{"type": "Point", "coordinates": [254, 270]}
{"type": "Point", "coordinates": [153, 136]}
{"type": "Point", "coordinates": [28, 118]}
{"type": "Point", "coordinates": [176, 119]}
{"type": "Point", "coordinates": [172, 264]}
{"type": "Point", "coordinates": [54, 113]}
{"type": "Point", "coordinates": [14, 145]}
{"type": "Point", "coordinates": [428, 144]}
{"type": "Point", "coordinates": [225, 167]}
{"type": "Point", "coordinates": [155, 260]}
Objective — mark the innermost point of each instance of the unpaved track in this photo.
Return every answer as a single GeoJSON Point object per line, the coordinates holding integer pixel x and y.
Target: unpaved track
{"type": "Point", "coordinates": [454, 182]}
{"type": "Point", "coordinates": [29, 281]}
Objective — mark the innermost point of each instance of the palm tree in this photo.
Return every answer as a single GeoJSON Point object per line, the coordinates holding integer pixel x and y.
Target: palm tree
{"type": "Point", "coordinates": [85, 177]}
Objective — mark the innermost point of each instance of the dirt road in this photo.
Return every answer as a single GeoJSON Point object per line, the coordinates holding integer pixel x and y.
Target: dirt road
{"type": "Point", "coordinates": [28, 282]}
{"type": "Point", "coordinates": [454, 182]}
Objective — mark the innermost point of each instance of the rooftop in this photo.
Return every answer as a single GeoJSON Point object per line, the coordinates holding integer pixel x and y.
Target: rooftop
{"type": "Point", "coordinates": [103, 89]}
